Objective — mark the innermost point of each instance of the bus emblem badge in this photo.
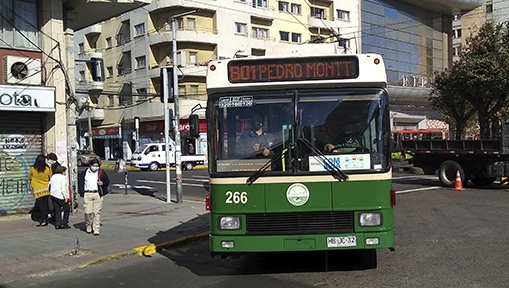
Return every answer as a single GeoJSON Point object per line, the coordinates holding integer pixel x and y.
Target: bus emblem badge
{"type": "Point", "coordinates": [297, 194]}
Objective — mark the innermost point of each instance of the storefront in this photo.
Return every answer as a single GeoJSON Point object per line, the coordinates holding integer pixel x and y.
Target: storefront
{"type": "Point", "coordinates": [153, 131]}
{"type": "Point", "coordinates": [107, 141]}
{"type": "Point", "coordinates": [24, 111]}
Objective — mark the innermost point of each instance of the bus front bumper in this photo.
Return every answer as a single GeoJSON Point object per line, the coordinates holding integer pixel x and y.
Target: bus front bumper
{"type": "Point", "coordinates": [312, 242]}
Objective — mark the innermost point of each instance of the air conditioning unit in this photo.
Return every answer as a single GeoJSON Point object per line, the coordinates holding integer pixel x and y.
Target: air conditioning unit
{"type": "Point", "coordinates": [22, 70]}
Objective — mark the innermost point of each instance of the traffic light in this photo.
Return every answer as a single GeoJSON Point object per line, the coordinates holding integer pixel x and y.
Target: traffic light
{"type": "Point", "coordinates": [167, 84]}
{"type": "Point", "coordinates": [194, 125]}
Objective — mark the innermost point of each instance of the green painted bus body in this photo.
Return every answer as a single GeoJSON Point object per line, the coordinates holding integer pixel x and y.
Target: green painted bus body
{"type": "Point", "coordinates": [265, 199]}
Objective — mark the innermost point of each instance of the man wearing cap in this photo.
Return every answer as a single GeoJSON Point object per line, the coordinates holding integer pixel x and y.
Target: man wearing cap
{"type": "Point", "coordinates": [255, 143]}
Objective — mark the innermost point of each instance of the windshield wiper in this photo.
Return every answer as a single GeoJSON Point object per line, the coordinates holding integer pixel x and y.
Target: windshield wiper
{"type": "Point", "coordinates": [324, 160]}
{"type": "Point", "coordinates": [251, 179]}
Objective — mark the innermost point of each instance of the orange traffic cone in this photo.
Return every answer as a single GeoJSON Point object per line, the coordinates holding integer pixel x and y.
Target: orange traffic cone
{"type": "Point", "coordinates": [458, 186]}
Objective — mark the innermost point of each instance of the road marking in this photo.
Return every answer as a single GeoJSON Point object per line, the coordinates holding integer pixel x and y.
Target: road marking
{"type": "Point", "coordinates": [173, 182]}
{"type": "Point", "coordinates": [416, 177]}
{"type": "Point", "coordinates": [418, 189]}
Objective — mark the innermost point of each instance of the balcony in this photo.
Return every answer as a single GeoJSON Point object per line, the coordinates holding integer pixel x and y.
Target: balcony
{"type": "Point", "coordinates": [93, 30]}
{"type": "Point", "coordinates": [321, 22]}
{"type": "Point", "coordinates": [90, 86]}
{"type": "Point", "coordinates": [199, 36]}
{"type": "Point", "coordinates": [79, 14]}
{"type": "Point", "coordinates": [95, 114]}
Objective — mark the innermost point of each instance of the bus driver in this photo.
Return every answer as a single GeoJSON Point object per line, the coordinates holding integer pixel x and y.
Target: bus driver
{"type": "Point", "coordinates": [255, 143]}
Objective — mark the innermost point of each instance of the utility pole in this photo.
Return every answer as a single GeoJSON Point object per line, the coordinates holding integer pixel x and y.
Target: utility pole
{"type": "Point", "coordinates": [165, 92]}
{"type": "Point", "coordinates": [178, 152]}
{"type": "Point", "coordinates": [90, 143]}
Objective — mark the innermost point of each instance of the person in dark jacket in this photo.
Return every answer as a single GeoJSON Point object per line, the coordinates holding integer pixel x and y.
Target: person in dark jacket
{"type": "Point", "coordinates": [53, 161]}
{"type": "Point", "coordinates": [255, 143]}
{"type": "Point", "coordinates": [92, 186]}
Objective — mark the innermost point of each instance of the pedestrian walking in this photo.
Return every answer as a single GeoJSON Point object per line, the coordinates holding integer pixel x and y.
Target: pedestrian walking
{"type": "Point", "coordinates": [39, 176]}
{"type": "Point", "coordinates": [92, 186]}
{"type": "Point", "coordinates": [60, 197]}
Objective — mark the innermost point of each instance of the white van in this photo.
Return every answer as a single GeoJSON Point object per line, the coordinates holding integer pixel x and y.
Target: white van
{"type": "Point", "coordinates": [151, 157]}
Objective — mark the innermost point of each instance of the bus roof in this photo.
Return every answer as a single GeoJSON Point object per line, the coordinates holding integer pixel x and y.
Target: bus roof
{"type": "Point", "coordinates": [326, 70]}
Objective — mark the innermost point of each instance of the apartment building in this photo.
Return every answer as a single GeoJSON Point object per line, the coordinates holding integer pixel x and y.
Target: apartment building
{"type": "Point", "coordinates": [134, 46]}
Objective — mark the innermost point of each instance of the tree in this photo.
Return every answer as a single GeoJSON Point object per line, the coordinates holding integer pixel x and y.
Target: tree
{"type": "Point", "coordinates": [447, 98]}
{"type": "Point", "coordinates": [478, 83]}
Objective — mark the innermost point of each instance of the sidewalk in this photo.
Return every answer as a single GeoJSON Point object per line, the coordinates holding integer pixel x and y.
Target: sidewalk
{"type": "Point", "coordinates": [129, 221]}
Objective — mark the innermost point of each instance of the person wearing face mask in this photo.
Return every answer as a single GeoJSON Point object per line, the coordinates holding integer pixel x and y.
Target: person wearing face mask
{"type": "Point", "coordinates": [255, 143]}
{"type": "Point", "coordinates": [92, 186]}
{"type": "Point", "coordinates": [53, 161]}
{"type": "Point", "coordinates": [348, 140]}
{"type": "Point", "coordinates": [60, 197]}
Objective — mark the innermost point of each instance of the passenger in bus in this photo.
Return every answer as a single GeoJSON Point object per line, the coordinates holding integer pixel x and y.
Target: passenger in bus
{"type": "Point", "coordinates": [255, 143]}
{"type": "Point", "coordinates": [347, 139]}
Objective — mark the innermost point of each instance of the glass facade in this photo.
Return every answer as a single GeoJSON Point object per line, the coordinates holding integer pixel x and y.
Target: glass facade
{"type": "Point", "coordinates": [408, 37]}
{"type": "Point", "coordinates": [18, 24]}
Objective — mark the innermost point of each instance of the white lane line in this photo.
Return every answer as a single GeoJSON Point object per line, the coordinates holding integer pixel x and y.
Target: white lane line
{"type": "Point", "coordinates": [418, 189]}
{"type": "Point", "coordinates": [416, 177]}
{"type": "Point", "coordinates": [172, 182]}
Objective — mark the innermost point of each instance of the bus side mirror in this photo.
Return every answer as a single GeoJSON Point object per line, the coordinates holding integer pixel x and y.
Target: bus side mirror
{"type": "Point", "coordinates": [194, 126]}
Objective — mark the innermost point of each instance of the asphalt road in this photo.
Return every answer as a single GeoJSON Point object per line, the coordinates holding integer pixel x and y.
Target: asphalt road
{"type": "Point", "coordinates": [444, 238]}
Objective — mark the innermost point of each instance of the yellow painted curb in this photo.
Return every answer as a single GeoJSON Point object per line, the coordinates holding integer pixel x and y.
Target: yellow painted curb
{"type": "Point", "coordinates": [152, 248]}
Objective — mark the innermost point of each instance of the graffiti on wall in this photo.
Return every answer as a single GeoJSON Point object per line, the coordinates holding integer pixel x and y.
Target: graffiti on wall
{"type": "Point", "coordinates": [14, 184]}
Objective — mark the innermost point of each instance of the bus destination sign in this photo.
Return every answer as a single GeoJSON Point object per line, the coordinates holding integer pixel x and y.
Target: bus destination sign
{"type": "Point", "coordinates": [293, 69]}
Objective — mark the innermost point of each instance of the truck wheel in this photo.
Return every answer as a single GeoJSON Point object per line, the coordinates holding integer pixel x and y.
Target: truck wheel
{"type": "Point", "coordinates": [153, 166]}
{"type": "Point", "coordinates": [188, 166]}
{"type": "Point", "coordinates": [447, 173]}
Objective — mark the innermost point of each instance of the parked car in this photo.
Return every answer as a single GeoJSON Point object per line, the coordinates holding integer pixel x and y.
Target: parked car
{"type": "Point", "coordinates": [84, 156]}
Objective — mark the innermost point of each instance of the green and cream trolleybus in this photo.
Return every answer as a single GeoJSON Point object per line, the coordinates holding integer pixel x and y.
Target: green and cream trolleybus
{"type": "Point", "coordinates": [285, 174]}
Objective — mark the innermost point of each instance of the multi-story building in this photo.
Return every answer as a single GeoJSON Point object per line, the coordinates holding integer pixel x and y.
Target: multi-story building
{"type": "Point", "coordinates": [135, 45]}
{"type": "Point", "coordinates": [36, 92]}
{"type": "Point", "coordinates": [416, 38]}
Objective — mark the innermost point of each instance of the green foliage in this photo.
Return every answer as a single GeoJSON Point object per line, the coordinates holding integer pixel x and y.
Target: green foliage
{"type": "Point", "coordinates": [477, 84]}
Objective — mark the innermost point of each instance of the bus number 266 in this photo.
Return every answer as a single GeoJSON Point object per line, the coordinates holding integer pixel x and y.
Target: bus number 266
{"type": "Point", "coordinates": [236, 197]}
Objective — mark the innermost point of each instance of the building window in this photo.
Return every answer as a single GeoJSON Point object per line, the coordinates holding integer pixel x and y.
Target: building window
{"type": "Point", "coordinates": [284, 36]}
{"type": "Point", "coordinates": [193, 90]}
{"type": "Point", "coordinates": [456, 33]}
{"type": "Point", "coordinates": [182, 90]}
{"type": "Point", "coordinates": [19, 24]}
{"type": "Point", "coordinates": [120, 39]}
{"type": "Point", "coordinates": [343, 15]}
{"type": "Point", "coordinates": [139, 29]}
{"type": "Point", "coordinates": [82, 75]}
{"type": "Point", "coordinates": [260, 33]}
{"type": "Point", "coordinates": [457, 50]}
{"type": "Point", "coordinates": [191, 24]}
{"type": "Point", "coordinates": [193, 58]}
{"type": "Point", "coordinates": [296, 9]}
{"type": "Point", "coordinates": [81, 48]}
{"type": "Point", "coordinates": [317, 12]}
{"type": "Point", "coordinates": [109, 44]}
{"type": "Point", "coordinates": [140, 62]}
{"type": "Point", "coordinates": [180, 24]}
{"type": "Point", "coordinates": [110, 71]}
{"type": "Point", "coordinates": [259, 3]}
{"type": "Point", "coordinates": [489, 8]}
{"type": "Point", "coordinates": [241, 28]}
{"type": "Point", "coordinates": [296, 37]}
{"type": "Point", "coordinates": [283, 6]}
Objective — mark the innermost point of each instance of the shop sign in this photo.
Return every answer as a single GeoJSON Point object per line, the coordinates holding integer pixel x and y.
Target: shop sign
{"type": "Point", "coordinates": [106, 132]}
{"type": "Point", "coordinates": [27, 98]}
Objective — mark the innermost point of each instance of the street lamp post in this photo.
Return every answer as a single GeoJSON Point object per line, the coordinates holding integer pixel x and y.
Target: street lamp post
{"type": "Point", "coordinates": [178, 152]}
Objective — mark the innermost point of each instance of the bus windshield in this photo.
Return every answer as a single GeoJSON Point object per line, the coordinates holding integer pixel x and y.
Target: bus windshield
{"type": "Point", "coordinates": [299, 131]}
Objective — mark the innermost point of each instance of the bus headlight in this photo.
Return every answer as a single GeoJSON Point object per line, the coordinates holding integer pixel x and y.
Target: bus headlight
{"type": "Point", "coordinates": [229, 223]}
{"type": "Point", "coordinates": [370, 219]}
